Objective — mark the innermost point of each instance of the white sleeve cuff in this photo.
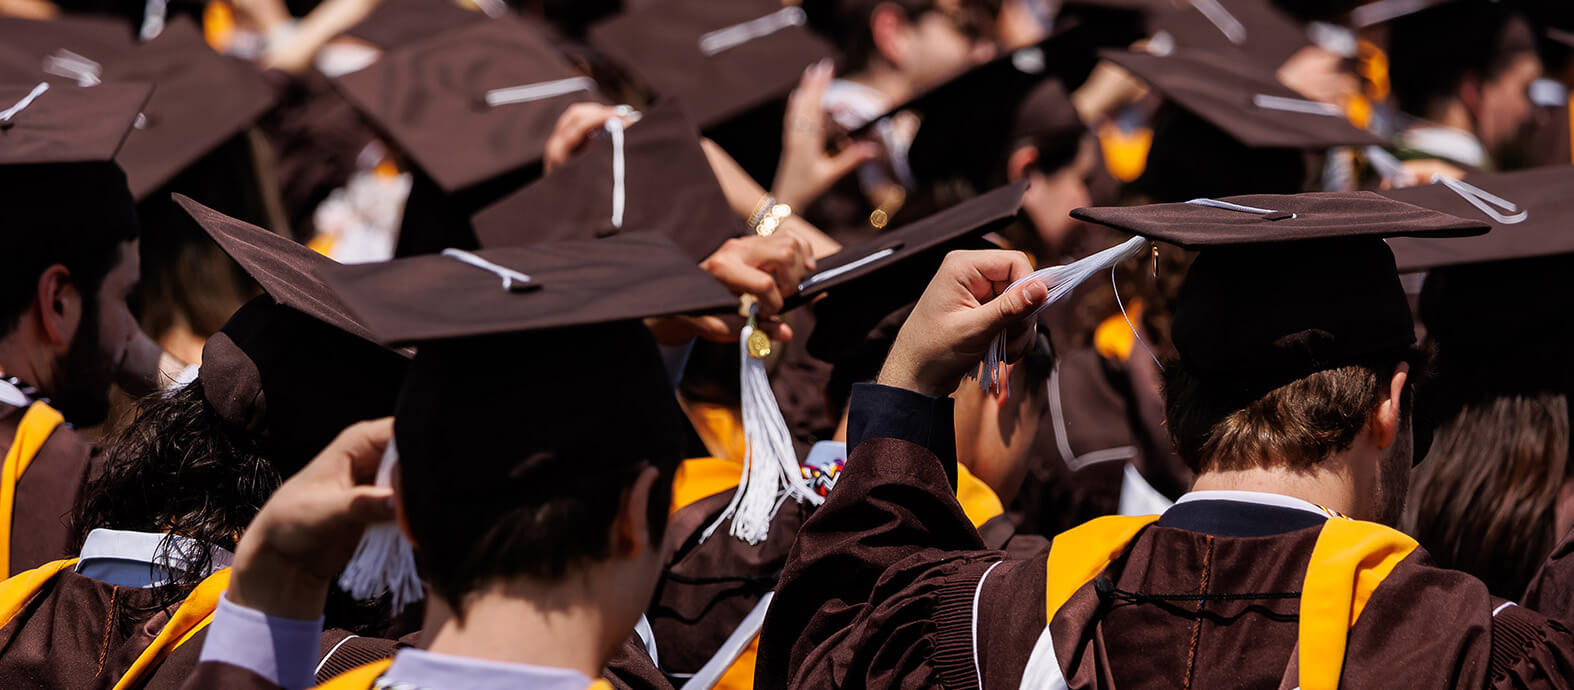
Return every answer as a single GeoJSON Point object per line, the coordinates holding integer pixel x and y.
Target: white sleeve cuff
{"type": "Point", "coordinates": [282, 650]}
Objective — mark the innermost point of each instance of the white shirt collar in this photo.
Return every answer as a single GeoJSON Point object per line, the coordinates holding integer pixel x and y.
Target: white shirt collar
{"type": "Point", "coordinates": [423, 669]}
{"type": "Point", "coordinates": [1257, 497]}
{"type": "Point", "coordinates": [1447, 142]}
{"type": "Point", "coordinates": [13, 396]}
{"type": "Point", "coordinates": [1549, 93]}
{"type": "Point", "coordinates": [131, 559]}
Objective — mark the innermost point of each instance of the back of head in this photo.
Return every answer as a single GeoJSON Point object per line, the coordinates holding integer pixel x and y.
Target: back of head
{"type": "Point", "coordinates": [516, 450]}
{"type": "Point", "coordinates": [1433, 51]}
{"type": "Point", "coordinates": [1483, 501]}
{"type": "Point", "coordinates": [1191, 159]}
{"type": "Point", "coordinates": [1285, 350]}
{"type": "Point", "coordinates": [73, 214]}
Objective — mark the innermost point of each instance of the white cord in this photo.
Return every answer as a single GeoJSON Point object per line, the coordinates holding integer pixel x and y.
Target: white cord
{"type": "Point", "coordinates": [1480, 198]}
{"type": "Point", "coordinates": [512, 279]}
{"type": "Point", "coordinates": [1215, 203]}
{"type": "Point", "coordinates": [1296, 105]}
{"type": "Point", "coordinates": [615, 128]}
{"type": "Point", "coordinates": [1129, 324]}
{"type": "Point", "coordinates": [8, 113]}
{"type": "Point", "coordinates": [1221, 18]}
{"type": "Point", "coordinates": [526, 93]}
{"type": "Point", "coordinates": [724, 39]}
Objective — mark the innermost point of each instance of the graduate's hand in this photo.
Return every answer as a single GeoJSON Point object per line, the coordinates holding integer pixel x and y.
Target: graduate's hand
{"type": "Point", "coordinates": [770, 268]}
{"type": "Point", "coordinates": [956, 320]}
{"type": "Point", "coordinates": [806, 170]}
{"type": "Point", "coordinates": [574, 129]}
{"type": "Point", "coordinates": [309, 529]}
{"type": "Point", "coordinates": [1318, 74]}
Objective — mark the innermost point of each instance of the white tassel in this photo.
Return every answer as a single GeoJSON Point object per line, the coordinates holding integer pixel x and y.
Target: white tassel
{"type": "Point", "coordinates": [771, 474]}
{"type": "Point", "coordinates": [1060, 280]}
{"type": "Point", "coordinates": [383, 561]}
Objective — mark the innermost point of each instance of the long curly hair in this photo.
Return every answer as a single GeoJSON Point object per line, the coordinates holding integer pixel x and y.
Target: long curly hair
{"type": "Point", "coordinates": [180, 469]}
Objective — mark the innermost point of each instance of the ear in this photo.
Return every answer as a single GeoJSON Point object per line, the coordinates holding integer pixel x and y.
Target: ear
{"type": "Point", "coordinates": [1020, 164]}
{"type": "Point", "coordinates": [1470, 93]}
{"type": "Point", "coordinates": [631, 529]}
{"type": "Point", "coordinates": [1386, 419]}
{"type": "Point", "coordinates": [888, 26]}
{"type": "Point", "coordinates": [59, 306]}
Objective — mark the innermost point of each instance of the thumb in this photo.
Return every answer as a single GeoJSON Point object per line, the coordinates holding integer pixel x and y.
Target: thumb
{"type": "Point", "coordinates": [369, 505]}
{"type": "Point", "coordinates": [1012, 306]}
{"type": "Point", "coordinates": [851, 157]}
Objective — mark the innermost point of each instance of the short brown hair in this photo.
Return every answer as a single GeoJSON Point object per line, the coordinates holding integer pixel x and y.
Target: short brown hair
{"type": "Point", "coordinates": [1221, 425]}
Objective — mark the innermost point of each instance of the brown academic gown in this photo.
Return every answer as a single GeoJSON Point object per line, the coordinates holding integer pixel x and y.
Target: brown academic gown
{"type": "Point", "coordinates": [76, 633]}
{"type": "Point", "coordinates": [1551, 589]}
{"type": "Point", "coordinates": [47, 493]}
{"type": "Point", "coordinates": [1098, 421]}
{"type": "Point", "coordinates": [882, 590]}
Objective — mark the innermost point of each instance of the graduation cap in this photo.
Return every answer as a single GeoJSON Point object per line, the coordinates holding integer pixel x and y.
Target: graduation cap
{"type": "Point", "coordinates": [200, 99]}
{"type": "Point", "coordinates": [1230, 127]}
{"type": "Point", "coordinates": [292, 365]}
{"type": "Point", "coordinates": [971, 125]}
{"type": "Point", "coordinates": [1286, 285]}
{"type": "Point", "coordinates": [550, 334]}
{"type": "Point", "coordinates": [57, 147]}
{"type": "Point", "coordinates": [720, 59]}
{"type": "Point", "coordinates": [397, 23]}
{"type": "Point", "coordinates": [921, 244]}
{"type": "Point", "coordinates": [1256, 30]}
{"type": "Point", "coordinates": [472, 104]}
{"type": "Point", "coordinates": [1530, 213]}
{"type": "Point", "coordinates": [650, 176]}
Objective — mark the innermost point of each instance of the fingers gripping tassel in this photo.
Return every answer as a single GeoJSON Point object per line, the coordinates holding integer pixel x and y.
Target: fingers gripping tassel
{"type": "Point", "coordinates": [383, 561]}
{"type": "Point", "coordinates": [1060, 280]}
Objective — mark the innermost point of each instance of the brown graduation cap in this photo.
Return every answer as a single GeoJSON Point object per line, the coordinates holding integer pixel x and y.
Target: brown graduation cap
{"type": "Point", "coordinates": [719, 59]}
{"type": "Point", "coordinates": [667, 186]}
{"type": "Point", "coordinates": [1254, 30]}
{"type": "Point", "coordinates": [470, 105]}
{"type": "Point", "coordinates": [57, 148]}
{"type": "Point", "coordinates": [1530, 211]}
{"type": "Point", "coordinates": [541, 286]}
{"type": "Point", "coordinates": [919, 245]}
{"type": "Point", "coordinates": [397, 23]}
{"type": "Point", "coordinates": [1286, 285]}
{"type": "Point", "coordinates": [292, 365]}
{"type": "Point", "coordinates": [200, 99]}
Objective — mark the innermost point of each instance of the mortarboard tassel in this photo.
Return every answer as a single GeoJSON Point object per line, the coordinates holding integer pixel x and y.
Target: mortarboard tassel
{"type": "Point", "coordinates": [383, 561]}
{"type": "Point", "coordinates": [1060, 280]}
{"type": "Point", "coordinates": [771, 474]}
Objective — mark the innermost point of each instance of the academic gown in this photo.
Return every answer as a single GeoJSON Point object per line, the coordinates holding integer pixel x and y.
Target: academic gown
{"type": "Point", "coordinates": [1551, 589]}
{"type": "Point", "coordinates": [1097, 424]}
{"type": "Point", "coordinates": [47, 493]}
{"type": "Point", "coordinates": [883, 589]}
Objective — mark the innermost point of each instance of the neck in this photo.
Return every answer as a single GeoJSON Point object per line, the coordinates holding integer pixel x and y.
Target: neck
{"type": "Point", "coordinates": [1329, 485]}
{"type": "Point", "coordinates": [558, 626]}
{"type": "Point", "coordinates": [1454, 115]}
{"type": "Point", "coordinates": [14, 361]}
{"type": "Point", "coordinates": [885, 79]}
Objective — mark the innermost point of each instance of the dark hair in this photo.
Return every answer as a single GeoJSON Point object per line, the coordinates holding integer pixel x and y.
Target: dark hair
{"type": "Point", "coordinates": [1483, 500]}
{"type": "Point", "coordinates": [1222, 425]}
{"type": "Point", "coordinates": [1431, 52]}
{"type": "Point", "coordinates": [846, 23]}
{"type": "Point", "coordinates": [179, 468]}
{"type": "Point", "coordinates": [46, 230]}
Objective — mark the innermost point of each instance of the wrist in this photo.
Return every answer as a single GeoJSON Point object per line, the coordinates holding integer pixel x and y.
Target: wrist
{"type": "Point", "coordinates": [264, 580]}
{"type": "Point", "coordinates": [768, 215]}
{"type": "Point", "coordinates": [908, 373]}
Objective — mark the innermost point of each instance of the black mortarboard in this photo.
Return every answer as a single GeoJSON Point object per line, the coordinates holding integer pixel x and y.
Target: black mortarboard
{"type": "Point", "coordinates": [719, 59]}
{"type": "Point", "coordinates": [1255, 30]}
{"type": "Point", "coordinates": [398, 23]}
{"type": "Point", "coordinates": [667, 186]}
{"type": "Point", "coordinates": [1286, 285]}
{"type": "Point", "coordinates": [292, 365]}
{"type": "Point", "coordinates": [472, 104]}
{"type": "Point", "coordinates": [57, 147]}
{"type": "Point", "coordinates": [1538, 219]}
{"type": "Point", "coordinates": [971, 125]}
{"type": "Point", "coordinates": [200, 99]}
{"type": "Point", "coordinates": [921, 244]}
{"type": "Point", "coordinates": [570, 283]}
